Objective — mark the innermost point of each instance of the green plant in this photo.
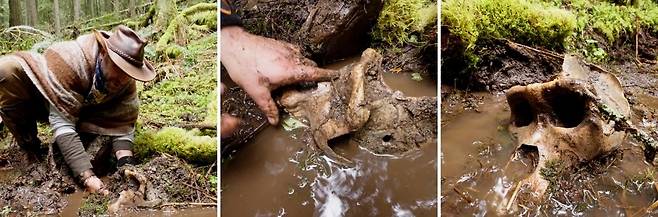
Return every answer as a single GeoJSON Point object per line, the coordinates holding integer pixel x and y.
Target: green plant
{"type": "Point", "coordinates": [187, 144]}
{"type": "Point", "coordinates": [518, 20]}
{"type": "Point", "coordinates": [593, 52]}
{"type": "Point", "coordinates": [400, 19]}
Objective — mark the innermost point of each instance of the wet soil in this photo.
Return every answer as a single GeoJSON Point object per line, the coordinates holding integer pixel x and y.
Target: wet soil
{"type": "Point", "coordinates": [501, 65]}
{"type": "Point", "coordinates": [325, 30]}
{"type": "Point", "coordinates": [278, 173]}
{"type": "Point", "coordinates": [477, 180]}
{"type": "Point", "coordinates": [44, 186]}
{"type": "Point", "coordinates": [474, 124]}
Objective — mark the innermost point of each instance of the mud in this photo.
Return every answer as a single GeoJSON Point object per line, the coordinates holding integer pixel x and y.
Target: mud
{"type": "Point", "coordinates": [237, 103]}
{"type": "Point", "coordinates": [501, 65]}
{"type": "Point", "coordinates": [44, 186]}
{"type": "Point", "coordinates": [326, 30]}
{"type": "Point", "coordinates": [617, 184]}
{"type": "Point", "coordinates": [169, 180]}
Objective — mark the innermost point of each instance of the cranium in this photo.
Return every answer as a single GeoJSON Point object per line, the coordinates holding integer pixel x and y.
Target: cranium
{"type": "Point", "coordinates": [559, 120]}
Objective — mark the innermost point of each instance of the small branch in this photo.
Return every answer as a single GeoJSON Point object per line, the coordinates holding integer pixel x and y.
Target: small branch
{"type": "Point", "coordinates": [188, 204]}
{"type": "Point", "coordinates": [200, 190]}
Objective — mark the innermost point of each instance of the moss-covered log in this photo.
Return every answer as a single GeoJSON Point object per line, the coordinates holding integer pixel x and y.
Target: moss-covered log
{"type": "Point", "coordinates": [189, 145]}
{"type": "Point", "coordinates": [179, 22]}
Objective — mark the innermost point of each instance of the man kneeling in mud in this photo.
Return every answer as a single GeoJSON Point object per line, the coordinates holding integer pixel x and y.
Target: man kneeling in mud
{"type": "Point", "coordinates": [81, 86]}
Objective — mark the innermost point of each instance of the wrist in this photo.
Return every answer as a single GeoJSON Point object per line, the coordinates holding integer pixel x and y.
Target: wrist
{"type": "Point", "coordinates": [85, 175]}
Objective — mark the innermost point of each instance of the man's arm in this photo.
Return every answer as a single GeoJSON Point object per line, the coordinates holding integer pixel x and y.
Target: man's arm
{"type": "Point", "coordinates": [74, 153]}
{"type": "Point", "coordinates": [122, 148]}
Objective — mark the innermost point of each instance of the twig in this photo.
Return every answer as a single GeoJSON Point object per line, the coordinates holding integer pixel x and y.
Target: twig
{"type": "Point", "coordinates": [462, 195]}
{"type": "Point", "coordinates": [200, 190]}
{"type": "Point", "coordinates": [544, 52]}
{"type": "Point", "coordinates": [637, 32]}
{"type": "Point", "coordinates": [188, 204]}
{"type": "Point", "coordinates": [513, 198]}
{"type": "Point", "coordinates": [215, 163]}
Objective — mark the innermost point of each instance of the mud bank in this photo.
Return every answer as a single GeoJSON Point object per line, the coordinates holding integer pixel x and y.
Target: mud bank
{"type": "Point", "coordinates": [45, 186]}
{"type": "Point", "coordinates": [619, 183]}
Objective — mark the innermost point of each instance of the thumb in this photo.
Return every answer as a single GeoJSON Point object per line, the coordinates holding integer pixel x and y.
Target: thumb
{"type": "Point", "coordinates": [263, 98]}
{"type": "Point", "coordinates": [228, 125]}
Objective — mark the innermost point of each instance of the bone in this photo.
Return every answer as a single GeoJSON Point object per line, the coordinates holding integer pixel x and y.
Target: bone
{"type": "Point", "coordinates": [561, 117]}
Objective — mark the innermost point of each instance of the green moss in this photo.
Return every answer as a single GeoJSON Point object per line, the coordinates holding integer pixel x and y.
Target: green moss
{"type": "Point", "coordinates": [189, 145]}
{"type": "Point", "coordinates": [611, 20]}
{"type": "Point", "coordinates": [400, 19]}
{"type": "Point", "coordinates": [517, 20]}
{"type": "Point", "coordinates": [211, 118]}
{"type": "Point", "coordinates": [551, 172]}
{"type": "Point", "coordinates": [572, 25]}
{"type": "Point", "coordinates": [189, 87]}
{"type": "Point", "coordinates": [94, 205]}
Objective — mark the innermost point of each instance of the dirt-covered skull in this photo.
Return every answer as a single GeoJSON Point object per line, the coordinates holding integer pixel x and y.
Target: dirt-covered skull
{"type": "Point", "coordinates": [559, 120]}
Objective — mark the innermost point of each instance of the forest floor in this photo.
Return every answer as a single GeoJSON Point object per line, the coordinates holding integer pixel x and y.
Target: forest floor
{"type": "Point", "coordinates": [176, 132]}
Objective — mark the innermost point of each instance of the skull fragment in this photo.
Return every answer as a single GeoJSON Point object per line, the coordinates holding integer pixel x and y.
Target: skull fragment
{"type": "Point", "coordinates": [560, 121]}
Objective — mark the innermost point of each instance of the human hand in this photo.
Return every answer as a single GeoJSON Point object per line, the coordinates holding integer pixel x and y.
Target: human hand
{"type": "Point", "coordinates": [95, 185]}
{"type": "Point", "coordinates": [260, 65]}
{"type": "Point", "coordinates": [228, 122]}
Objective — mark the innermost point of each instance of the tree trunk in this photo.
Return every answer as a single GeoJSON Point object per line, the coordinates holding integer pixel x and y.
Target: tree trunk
{"type": "Point", "coordinates": [58, 25]}
{"type": "Point", "coordinates": [15, 13]}
{"type": "Point", "coordinates": [131, 8]}
{"type": "Point", "coordinates": [117, 5]}
{"type": "Point", "coordinates": [166, 10]}
{"type": "Point", "coordinates": [76, 11]}
{"type": "Point", "coordinates": [32, 16]}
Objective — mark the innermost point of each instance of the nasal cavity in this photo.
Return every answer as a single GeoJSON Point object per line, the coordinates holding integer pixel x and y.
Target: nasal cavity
{"type": "Point", "coordinates": [569, 107]}
{"type": "Point", "coordinates": [529, 154]}
{"type": "Point", "coordinates": [522, 112]}
{"type": "Point", "coordinates": [387, 138]}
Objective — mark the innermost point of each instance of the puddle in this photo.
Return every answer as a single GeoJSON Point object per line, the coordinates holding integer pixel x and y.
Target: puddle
{"type": "Point", "coordinates": [476, 147]}
{"type": "Point", "coordinates": [75, 200]}
{"type": "Point", "coordinates": [277, 175]}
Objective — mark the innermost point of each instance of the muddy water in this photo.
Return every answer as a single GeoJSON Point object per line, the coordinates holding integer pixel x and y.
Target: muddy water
{"type": "Point", "coordinates": [475, 150]}
{"type": "Point", "coordinates": [278, 175]}
{"type": "Point", "coordinates": [75, 201]}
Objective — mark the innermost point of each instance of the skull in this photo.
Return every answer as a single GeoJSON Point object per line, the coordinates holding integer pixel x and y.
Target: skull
{"type": "Point", "coordinates": [559, 119]}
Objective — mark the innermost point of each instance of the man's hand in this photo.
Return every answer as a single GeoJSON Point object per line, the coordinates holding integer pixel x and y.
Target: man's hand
{"type": "Point", "coordinates": [95, 185]}
{"type": "Point", "coordinates": [260, 65]}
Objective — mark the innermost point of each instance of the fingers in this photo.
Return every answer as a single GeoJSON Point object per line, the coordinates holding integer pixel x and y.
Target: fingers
{"type": "Point", "coordinates": [263, 98]}
{"type": "Point", "coordinates": [306, 73]}
{"type": "Point", "coordinates": [228, 125]}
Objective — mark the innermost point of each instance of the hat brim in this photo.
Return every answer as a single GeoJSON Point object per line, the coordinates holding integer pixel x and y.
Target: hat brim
{"type": "Point", "coordinates": [144, 73]}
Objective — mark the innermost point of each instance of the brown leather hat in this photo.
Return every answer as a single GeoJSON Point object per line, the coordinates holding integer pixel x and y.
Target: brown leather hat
{"type": "Point", "coordinates": [126, 50]}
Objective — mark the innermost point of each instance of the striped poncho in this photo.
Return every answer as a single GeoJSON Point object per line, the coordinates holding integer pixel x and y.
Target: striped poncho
{"type": "Point", "coordinates": [64, 75]}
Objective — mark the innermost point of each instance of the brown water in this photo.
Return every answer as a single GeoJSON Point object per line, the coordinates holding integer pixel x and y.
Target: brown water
{"type": "Point", "coordinates": [278, 175]}
{"type": "Point", "coordinates": [75, 201]}
{"type": "Point", "coordinates": [476, 147]}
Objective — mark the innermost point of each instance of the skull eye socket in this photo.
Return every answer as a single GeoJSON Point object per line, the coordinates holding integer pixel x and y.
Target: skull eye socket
{"type": "Point", "coordinates": [522, 113]}
{"type": "Point", "coordinates": [569, 107]}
